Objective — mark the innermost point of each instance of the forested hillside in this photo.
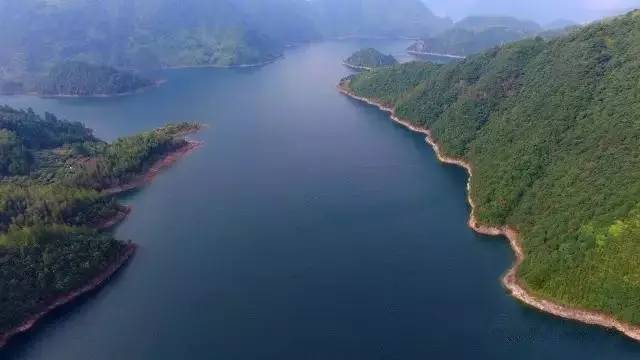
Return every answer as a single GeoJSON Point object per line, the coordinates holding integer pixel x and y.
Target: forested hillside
{"type": "Point", "coordinates": [552, 130]}
{"type": "Point", "coordinates": [74, 78]}
{"type": "Point", "coordinates": [53, 177]}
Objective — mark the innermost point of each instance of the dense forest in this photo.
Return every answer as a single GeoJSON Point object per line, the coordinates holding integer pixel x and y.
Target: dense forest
{"type": "Point", "coordinates": [552, 130]}
{"type": "Point", "coordinates": [52, 201]}
{"type": "Point", "coordinates": [369, 59]}
{"type": "Point", "coordinates": [75, 78]}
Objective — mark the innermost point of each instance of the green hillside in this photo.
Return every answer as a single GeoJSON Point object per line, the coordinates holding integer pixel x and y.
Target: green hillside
{"type": "Point", "coordinates": [552, 129]}
{"type": "Point", "coordinates": [75, 78]}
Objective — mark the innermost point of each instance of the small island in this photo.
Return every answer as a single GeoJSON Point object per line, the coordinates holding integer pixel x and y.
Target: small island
{"type": "Point", "coordinates": [81, 79]}
{"type": "Point", "coordinates": [369, 59]}
{"type": "Point", "coordinates": [57, 187]}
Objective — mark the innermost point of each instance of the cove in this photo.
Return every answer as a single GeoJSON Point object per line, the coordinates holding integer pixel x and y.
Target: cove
{"type": "Point", "coordinates": [308, 226]}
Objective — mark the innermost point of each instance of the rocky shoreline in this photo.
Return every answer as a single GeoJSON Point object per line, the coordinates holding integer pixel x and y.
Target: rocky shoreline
{"type": "Point", "coordinates": [94, 284]}
{"type": "Point", "coordinates": [510, 280]}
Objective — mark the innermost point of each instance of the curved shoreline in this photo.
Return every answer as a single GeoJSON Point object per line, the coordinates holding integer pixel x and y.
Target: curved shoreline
{"type": "Point", "coordinates": [62, 300]}
{"type": "Point", "coordinates": [106, 224]}
{"type": "Point", "coordinates": [161, 164]}
{"type": "Point", "coordinates": [510, 280]}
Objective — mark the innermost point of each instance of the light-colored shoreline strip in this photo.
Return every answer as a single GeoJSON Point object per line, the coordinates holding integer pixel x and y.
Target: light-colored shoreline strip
{"type": "Point", "coordinates": [357, 67]}
{"type": "Point", "coordinates": [510, 279]}
{"type": "Point", "coordinates": [425, 53]}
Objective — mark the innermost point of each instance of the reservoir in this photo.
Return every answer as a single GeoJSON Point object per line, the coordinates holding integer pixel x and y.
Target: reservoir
{"type": "Point", "coordinates": [308, 226]}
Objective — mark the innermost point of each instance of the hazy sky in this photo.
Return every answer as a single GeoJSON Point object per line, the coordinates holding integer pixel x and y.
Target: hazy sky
{"type": "Point", "coordinates": [539, 10]}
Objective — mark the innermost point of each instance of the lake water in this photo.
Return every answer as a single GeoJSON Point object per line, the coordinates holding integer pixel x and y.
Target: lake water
{"type": "Point", "coordinates": [309, 226]}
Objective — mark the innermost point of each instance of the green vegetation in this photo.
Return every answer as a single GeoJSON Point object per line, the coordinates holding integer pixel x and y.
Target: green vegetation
{"type": "Point", "coordinates": [53, 174]}
{"type": "Point", "coordinates": [370, 59]}
{"type": "Point", "coordinates": [41, 263]}
{"type": "Point", "coordinates": [552, 129]}
{"type": "Point", "coordinates": [77, 78]}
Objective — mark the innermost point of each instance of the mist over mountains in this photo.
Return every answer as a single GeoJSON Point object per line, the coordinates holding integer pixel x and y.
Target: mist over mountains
{"type": "Point", "coordinates": [36, 35]}
{"type": "Point", "coordinates": [543, 11]}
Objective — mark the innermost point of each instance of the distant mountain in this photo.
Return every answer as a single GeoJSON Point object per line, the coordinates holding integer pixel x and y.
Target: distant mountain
{"type": "Point", "coordinates": [461, 42]}
{"type": "Point", "coordinates": [475, 34]}
{"type": "Point", "coordinates": [560, 24]}
{"type": "Point", "coordinates": [139, 34]}
{"type": "Point", "coordinates": [480, 23]}
{"type": "Point", "coordinates": [376, 18]}
{"type": "Point", "coordinates": [36, 35]}
{"type": "Point", "coordinates": [369, 59]}
{"type": "Point", "coordinates": [288, 21]}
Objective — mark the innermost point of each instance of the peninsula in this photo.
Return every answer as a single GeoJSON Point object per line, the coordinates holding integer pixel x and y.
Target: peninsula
{"type": "Point", "coordinates": [57, 183]}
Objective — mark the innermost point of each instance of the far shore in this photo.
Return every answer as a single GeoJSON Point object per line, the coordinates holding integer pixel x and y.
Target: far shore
{"type": "Point", "coordinates": [155, 84]}
{"type": "Point", "coordinates": [238, 66]}
{"type": "Point", "coordinates": [510, 280]}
